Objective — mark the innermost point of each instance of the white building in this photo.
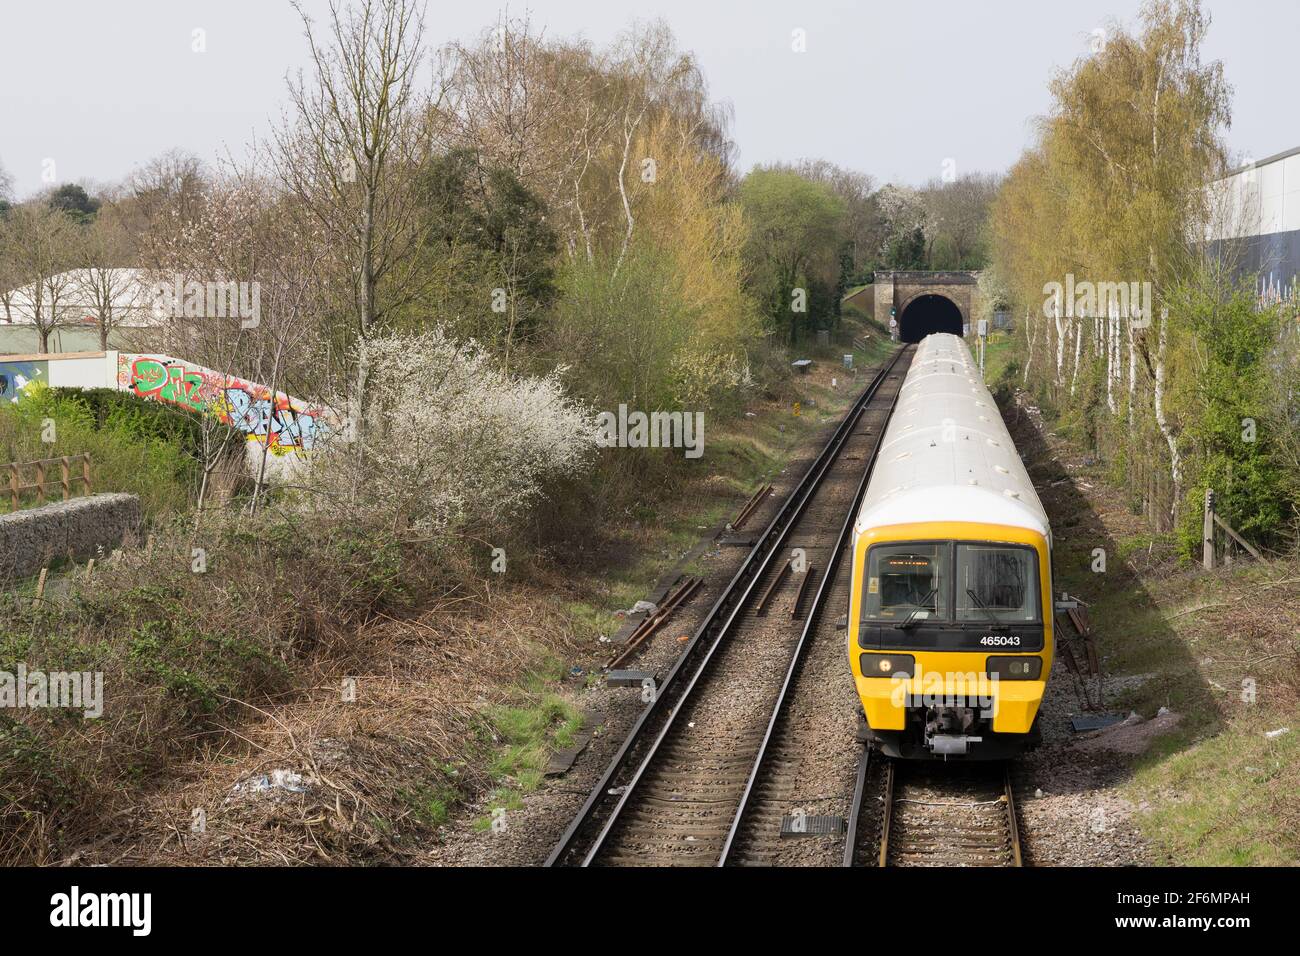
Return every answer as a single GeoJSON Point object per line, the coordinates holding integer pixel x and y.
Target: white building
{"type": "Point", "coordinates": [137, 302]}
{"type": "Point", "coordinates": [1257, 208]}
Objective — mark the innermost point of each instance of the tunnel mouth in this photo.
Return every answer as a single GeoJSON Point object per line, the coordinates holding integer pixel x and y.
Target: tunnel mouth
{"type": "Point", "coordinates": [928, 314]}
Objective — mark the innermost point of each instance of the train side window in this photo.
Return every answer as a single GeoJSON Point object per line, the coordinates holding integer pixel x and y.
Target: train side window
{"type": "Point", "coordinates": [904, 578]}
{"type": "Point", "coordinates": [997, 580]}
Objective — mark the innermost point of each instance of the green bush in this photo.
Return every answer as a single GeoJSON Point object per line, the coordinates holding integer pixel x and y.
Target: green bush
{"type": "Point", "coordinates": [635, 336]}
{"type": "Point", "coordinates": [135, 446]}
{"type": "Point", "coordinates": [1232, 424]}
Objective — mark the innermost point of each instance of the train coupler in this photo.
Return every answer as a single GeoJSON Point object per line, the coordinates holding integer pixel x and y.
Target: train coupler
{"type": "Point", "coordinates": [947, 730]}
{"type": "Point", "coordinates": [951, 745]}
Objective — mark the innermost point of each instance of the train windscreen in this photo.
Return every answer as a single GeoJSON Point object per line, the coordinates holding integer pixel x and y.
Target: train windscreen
{"type": "Point", "coordinates": [908, 578]}
{"type": "Point", "coordinates": [998, 582]}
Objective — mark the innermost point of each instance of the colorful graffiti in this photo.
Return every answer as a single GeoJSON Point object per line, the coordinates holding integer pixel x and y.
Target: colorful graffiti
{"type": "Point", "coordinates": [258, 418]}
{"type": "Point", "coordinates": [16, 376]}
{"type": "Point", "coordinates": [278, 421]}
{"type": "Point", "coordinates": [152, 378]}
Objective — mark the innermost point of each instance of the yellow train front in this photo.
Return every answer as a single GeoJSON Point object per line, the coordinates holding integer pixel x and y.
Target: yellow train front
{"type": "Point", "coordinates": [950, 609]}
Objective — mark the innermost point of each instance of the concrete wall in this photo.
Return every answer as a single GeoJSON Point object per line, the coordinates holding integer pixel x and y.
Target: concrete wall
{"type": "Point", "coordinates": [78, 528]}
{"type": "Point", "coordinates": [285, 427]}
{"type": "Point", "coordinates": [17, 338]}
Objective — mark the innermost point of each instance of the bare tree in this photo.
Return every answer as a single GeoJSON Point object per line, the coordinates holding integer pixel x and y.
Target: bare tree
{"type": "Point", "coordinates": [535, 107]}
{"type": "Point", "coordinates": [112, 293]}
{"type": "Point", "coordinates": [40, 244]}
{"type": "Point", "coordinates": [504, 96]}
{"type": "Point", "coordinates": [10, 276]}
{"type": "Point", "coordinates": [959, 210]}
{"type": "Point", "coordinates": [166, 193]}
{"type": "Point", "coordinates": [355, 138]}
{"type": "Point", "coordinates": [6, 187]}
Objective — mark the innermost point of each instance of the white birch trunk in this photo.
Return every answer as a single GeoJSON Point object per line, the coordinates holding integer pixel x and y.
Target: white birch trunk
{"type": "Point", "coordinates": [1078, 349]}
{"type": "Point", "coordinates": [1029, 334]}
{"type": "Point", "coordinates": [1060, 349]}
{"type": "Point", "coordinates": [1132, 376]}
{"type": "Point", "coordinates": [1175, 460]}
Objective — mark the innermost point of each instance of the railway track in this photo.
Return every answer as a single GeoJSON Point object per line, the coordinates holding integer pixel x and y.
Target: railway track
{"type": "Point", "coordinates": [695, 763]}
{"type": "Point", "coordinates": [932, 813]}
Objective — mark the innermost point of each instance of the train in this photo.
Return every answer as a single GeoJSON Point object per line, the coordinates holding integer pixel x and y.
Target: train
{"type": "Point", "coordinates": [950, 605]}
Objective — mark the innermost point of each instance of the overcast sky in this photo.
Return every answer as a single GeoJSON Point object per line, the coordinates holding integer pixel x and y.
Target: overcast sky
{"type": "Point", "coordinates": [892, 88]}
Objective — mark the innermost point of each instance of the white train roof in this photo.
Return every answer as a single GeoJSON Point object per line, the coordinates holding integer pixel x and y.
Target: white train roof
{"type": "Point", "coordinates": [946, 454]}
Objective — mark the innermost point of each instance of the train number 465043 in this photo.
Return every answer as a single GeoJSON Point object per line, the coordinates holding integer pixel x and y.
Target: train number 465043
{"type": "Point", "coordinates": [1008, 640]}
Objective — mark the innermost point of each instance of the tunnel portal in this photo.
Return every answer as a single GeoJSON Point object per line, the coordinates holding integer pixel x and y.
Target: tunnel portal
{"type": "Point", "coordinates": [928, 314]}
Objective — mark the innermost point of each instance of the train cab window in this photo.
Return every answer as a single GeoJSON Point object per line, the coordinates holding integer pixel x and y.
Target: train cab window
{"type": "Point", "coordinates": [907, 580]}
{"type": "Point", "coordinates": [997, 581]}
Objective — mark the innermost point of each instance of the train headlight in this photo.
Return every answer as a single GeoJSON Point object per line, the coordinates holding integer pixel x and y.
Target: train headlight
{"type": "Point", "coordinates": [1015, 668]}
{"type": "Point", "coordinates": [887, 665]}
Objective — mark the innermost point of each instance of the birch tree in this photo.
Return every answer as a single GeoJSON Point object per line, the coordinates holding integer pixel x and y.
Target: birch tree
{"type": "Point", "coordinates": [1122, 164]}
{"type": "Point", "coordinates": [111, 292]}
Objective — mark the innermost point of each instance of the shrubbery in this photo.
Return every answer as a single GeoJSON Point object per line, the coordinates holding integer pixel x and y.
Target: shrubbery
{"type": "Point", "coordinates": [1233, 403]}
{"type": "Point", "coordinates": [138, 447]}
{"type": "Point", "coordinates": [449, 442]}
{"type": "Point", "coordinates": [181, 654]}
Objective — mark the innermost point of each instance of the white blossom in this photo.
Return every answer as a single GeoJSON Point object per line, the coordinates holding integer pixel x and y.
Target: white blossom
{"type": "Point", "coordinates": [448, 439]}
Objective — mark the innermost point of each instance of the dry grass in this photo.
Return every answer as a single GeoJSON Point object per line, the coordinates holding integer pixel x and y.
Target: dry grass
{"type": "Point", "coordinates": [416, 734]}
{"type": "Point", "coordinates": [183, 655]}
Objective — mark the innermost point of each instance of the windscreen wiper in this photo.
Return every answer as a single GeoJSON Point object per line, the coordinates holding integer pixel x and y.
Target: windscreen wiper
{"type": "Point", "coordinates": [907, 622]}
{"type": "Point", "coordinates": [985, 608]}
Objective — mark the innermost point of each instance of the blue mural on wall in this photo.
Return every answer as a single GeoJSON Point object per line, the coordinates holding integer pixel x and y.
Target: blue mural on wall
{"type": "Point", "coordinates": [15, 376]}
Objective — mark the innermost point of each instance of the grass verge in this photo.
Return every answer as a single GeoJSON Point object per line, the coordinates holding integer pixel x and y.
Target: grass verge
{"type": "Point", "coordinates": [1219, 649]}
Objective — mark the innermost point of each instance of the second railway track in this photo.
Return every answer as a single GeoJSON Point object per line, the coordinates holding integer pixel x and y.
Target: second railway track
{"type": "Point", "coordinates": [933, 813]}
{"type": "Point", "coordinates": [696, 760]}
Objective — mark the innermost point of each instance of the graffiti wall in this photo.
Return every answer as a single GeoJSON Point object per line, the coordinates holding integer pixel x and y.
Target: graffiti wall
{"type": "Point", "coordinates": [281, 423]}
{"type": "Point", "coordinates": [284, 426]}
{"type": "Point", "coordinates": [15, 376]}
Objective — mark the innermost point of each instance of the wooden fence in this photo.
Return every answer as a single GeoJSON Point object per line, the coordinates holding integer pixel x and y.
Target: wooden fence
{"type": "Point", "coordinates": [1209, 553]}
{"type": "Point", "coordinates": [43, 469]}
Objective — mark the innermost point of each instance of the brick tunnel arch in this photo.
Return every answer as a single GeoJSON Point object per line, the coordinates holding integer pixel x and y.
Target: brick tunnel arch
{"type": "Point", "coordinates": [927, 314]}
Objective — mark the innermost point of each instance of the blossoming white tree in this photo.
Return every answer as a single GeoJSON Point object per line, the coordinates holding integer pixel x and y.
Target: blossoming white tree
{"type": "Point", "coordinates": [449, 441]}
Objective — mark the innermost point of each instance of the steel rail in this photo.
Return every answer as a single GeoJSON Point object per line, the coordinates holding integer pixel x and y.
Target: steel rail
{"type": "Point", "coordinates": [855, 809]}
{"type": "Point", "coordinates": [814, 611]}
{"type": "Point", "coordinates": [1012, 826]}
{"type": "Point", "coordinates": [729, 602]}
{"type": "Point", "coordinates": [1008, 802]}
{"type": "Point", "coordinates": [888, 814]}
